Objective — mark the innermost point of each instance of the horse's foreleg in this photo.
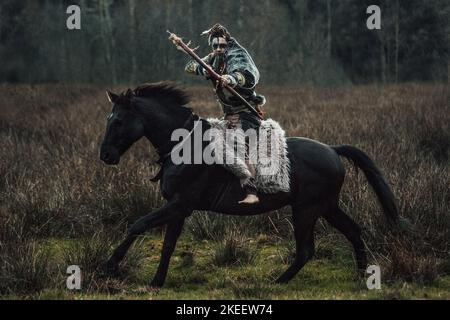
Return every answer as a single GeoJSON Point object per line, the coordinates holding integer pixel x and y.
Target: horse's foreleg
{"type": "Point", "coordinates": [169, 212]}
{"type": "Point", "coordinates": [173, 231]}
{"type": "Point", "coordinates": [112, 266]}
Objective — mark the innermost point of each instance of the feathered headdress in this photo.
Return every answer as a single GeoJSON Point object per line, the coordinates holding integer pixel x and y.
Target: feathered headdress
{"type": "Point", "coordinates": [217, 30]}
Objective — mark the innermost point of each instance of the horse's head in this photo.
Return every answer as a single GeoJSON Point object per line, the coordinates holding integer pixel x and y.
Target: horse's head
{"type": "Point", "coordinates": [152, 110]}
{"type": "Point", "coordinates": [124, 127]}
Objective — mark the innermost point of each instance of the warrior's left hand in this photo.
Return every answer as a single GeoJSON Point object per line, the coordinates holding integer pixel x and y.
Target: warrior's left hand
{"type": "Point", "coordinates": [225, 80]}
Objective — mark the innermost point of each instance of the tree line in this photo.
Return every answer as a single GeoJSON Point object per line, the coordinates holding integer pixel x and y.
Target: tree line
{"type": "Point", "coordinates": [318, 42]}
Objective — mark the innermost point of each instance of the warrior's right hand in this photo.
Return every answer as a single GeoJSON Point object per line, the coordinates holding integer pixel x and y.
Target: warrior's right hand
{"type": "Point", "coordinates": [206, 74]}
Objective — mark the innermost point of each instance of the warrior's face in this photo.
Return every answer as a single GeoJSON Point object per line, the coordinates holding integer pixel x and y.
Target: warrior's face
{"type": "Point", "coordinates": [219, 46]}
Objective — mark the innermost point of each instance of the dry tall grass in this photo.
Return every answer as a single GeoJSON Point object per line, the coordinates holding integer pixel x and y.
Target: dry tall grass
{"type": "Point", "coordinates": [54, 185]}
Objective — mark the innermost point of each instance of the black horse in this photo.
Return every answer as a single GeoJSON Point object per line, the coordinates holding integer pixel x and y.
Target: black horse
{"type": "Point", "coordinates": [155, 110]}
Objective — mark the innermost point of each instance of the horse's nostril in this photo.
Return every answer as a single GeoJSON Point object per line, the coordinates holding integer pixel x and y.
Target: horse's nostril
{"type": "Point", "coordinates": [105, 155]}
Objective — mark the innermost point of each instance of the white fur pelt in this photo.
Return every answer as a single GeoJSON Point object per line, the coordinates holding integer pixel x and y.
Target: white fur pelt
{"type": "Point", "coordinates": [272, 165]}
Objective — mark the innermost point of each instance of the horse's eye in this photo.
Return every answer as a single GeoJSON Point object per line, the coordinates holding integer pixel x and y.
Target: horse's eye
{"type": "Point", "coordinates": [109, 116]}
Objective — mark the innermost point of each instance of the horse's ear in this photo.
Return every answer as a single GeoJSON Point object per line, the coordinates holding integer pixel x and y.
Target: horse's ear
{"type": "Point", "coordinates": [112, 97]}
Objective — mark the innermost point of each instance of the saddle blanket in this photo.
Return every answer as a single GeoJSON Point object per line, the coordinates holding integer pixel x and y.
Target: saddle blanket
{"type": "Point", "coordinates": [266, 151]}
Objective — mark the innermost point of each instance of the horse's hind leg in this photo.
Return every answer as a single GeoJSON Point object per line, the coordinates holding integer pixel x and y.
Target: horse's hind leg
{"type": "Point", "coordinates": [173, 231]}
{"type": "Point", "coordinates": [351, 230]}
{"type": "Point", "coordinates": [304, 220]}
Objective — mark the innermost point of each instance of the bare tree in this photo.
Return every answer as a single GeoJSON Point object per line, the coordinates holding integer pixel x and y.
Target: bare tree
{"type": "Point", "coordinates": [329, 27]}
{"type": "Point", "coordinates": [133, 31]}
{"type": "Point", "coordinates": [108, 37]}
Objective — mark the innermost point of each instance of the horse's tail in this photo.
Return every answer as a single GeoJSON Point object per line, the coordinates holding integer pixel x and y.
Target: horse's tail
{"type": "Point", "coordinates": [375, 178]}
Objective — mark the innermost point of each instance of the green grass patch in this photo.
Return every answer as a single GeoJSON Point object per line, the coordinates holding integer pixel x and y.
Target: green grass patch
{"type": "Point", "coordinates": [193, 274]}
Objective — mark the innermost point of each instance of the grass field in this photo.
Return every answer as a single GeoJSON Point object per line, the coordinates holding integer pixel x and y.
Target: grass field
{"type": "Point", "coordinates": [60, 205]}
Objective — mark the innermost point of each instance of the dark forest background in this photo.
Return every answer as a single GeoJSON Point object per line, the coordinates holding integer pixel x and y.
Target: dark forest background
{"type": "Point", "coordinates": [319, 42]}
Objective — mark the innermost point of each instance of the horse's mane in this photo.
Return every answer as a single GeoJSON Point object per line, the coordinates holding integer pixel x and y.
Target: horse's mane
{"type": "Point", "coordinates": [164, 90]}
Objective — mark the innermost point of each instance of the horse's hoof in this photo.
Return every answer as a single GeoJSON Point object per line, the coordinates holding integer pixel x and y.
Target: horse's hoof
{"type": "Point", "coordinates": [156, 284]}
{"type": "Point", "coordinates": [361, 274]}
{"type": "Point", "coordinates": [112, 269]}
{"type": "Point", "coordinates": [153, 290]}
{"type": "Point", "coordinates": [281, 280]}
